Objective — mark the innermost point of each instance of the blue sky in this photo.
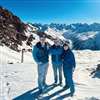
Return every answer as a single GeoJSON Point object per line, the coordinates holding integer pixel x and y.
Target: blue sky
{"type": "Point", "coordinates": [57, 11]}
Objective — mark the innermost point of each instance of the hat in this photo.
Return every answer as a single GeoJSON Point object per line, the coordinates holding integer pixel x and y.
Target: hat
{"type": "Point", "coordinates": [42, 36]}
{"type": "Point", "coordinates": [67, 42]}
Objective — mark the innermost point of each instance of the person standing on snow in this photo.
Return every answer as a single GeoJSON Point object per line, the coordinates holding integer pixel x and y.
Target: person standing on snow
{"type": "Point", "coordinates": [56, 52]}
{"type": "Point", "coordinates": [40, 54]}
{"type": "Point", "coordinates": [68, 67]}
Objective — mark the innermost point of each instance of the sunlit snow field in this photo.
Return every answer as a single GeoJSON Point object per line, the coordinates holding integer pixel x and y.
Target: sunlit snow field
{"type": "Point", "coordinates": [18, 80]}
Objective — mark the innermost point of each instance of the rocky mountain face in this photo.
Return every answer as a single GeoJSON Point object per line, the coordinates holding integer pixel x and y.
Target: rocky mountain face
{"type": "Point", "coordinates": [13, 32]}
{"type": "Point", "coordinates": [11, 29]}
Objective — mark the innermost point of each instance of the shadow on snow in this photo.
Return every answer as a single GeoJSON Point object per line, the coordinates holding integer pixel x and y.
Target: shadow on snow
{"type": "Point", "coordinates": [34, 93]}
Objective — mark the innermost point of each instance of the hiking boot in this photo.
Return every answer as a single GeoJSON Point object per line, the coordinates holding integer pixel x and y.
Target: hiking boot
{"type": "Point", "coordinates": [71, 94]}
{"type": "Point", "coordinates": [55, 84]}
{"type": "Point", "coordinates": [61, 84]}
{"type": "Point", "coordinates": [45, 86]}
{"type": "Point", "coordinates": [40, 96]}
{"type": "Point", "coordinates": [40, 91]}
{"type": "Point", "coordinates": [66, 87]}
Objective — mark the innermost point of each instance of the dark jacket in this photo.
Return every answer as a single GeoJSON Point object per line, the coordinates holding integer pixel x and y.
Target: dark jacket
{"type": "Point", "coordinates": [40, 54]}
{"type": "Point", "coordinates": [56, 54]}
{"type": "Point", "coordinates": [68, 59]}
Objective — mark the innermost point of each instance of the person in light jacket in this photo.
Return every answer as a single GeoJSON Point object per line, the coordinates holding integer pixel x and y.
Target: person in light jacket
{"type": "Point", "coordinates": [56, 52]}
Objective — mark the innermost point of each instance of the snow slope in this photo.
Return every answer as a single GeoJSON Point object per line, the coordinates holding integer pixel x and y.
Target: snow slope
{"type": "Point", "coordinates": [19, 80]}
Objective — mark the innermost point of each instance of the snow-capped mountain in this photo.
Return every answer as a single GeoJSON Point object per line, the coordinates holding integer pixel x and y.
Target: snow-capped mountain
{"type": "Point", "coordinates": [83, 36]}
{"type": "Point", "coordinates": [18, 81]}
{"type": "Point", "coordinates": [14, 33]}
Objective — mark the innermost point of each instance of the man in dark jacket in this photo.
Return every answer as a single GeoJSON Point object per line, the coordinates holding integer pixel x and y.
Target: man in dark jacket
{"type": "Point", "coordinates": [68, 68]}
{"type": "Point", "coordinates": [56, 52]}
{"type": "Point", "coordinates": [40, 54]}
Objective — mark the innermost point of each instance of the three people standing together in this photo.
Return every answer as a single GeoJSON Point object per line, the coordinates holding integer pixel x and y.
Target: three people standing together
{"type": "Point", "coordinates": [62, 59]}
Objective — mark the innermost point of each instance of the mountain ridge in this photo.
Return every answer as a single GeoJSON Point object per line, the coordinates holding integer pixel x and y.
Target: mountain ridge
{"type": "Point", "coordinates": [13, 32]}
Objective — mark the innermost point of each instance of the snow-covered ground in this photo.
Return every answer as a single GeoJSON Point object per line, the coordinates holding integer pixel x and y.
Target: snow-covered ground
{"type": "Point", "coordinates": [19, 80]}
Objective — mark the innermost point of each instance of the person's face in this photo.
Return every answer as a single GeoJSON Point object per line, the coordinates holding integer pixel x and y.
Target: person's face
{"type": "Point", "coordinates": [56, 42]}
{"type": "Point", "coordinates": [65, 47]}
{"type": "Point", "coordinates": [42, 40]}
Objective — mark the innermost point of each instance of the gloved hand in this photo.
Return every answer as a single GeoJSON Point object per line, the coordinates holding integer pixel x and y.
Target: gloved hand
{"type": "Point", "coordinates": [73, 69]}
